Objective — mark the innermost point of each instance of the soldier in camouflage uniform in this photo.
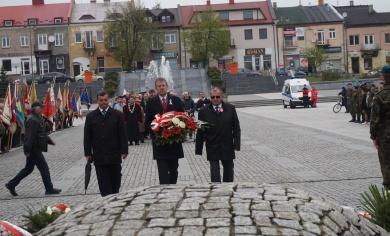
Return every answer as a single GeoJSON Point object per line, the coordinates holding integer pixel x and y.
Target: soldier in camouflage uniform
{"type": "Point", "coordinates": [380, 126]}
{"type": "Point", "coordinates": [353, 104]}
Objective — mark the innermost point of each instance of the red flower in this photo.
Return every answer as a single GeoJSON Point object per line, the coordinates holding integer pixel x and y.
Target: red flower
{"type": "Point", "coordinates": [176, 130]}
{"type": "Point", "coordinates": [166, 133]}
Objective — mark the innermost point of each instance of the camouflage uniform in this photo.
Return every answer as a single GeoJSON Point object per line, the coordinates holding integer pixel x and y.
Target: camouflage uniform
{"type": "Point", "coordinates": [353, 104]}
{"type": "Point", "coordinates": [380, 130]}
{"type": "Point", "coordinates": [359, 105]}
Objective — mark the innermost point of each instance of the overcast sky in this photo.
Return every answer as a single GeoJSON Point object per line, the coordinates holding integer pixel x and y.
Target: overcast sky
{"type": "Point", "coordinates": [379, 5]}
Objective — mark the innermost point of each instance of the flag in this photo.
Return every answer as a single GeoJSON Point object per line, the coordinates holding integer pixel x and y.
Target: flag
{"type": "Point", "coordinates": [70, 105]}
{"type": "Point", "coordinates": [7, 111]}
{"type": "Point", "coordinates": [49, 103]}
{"type": "Point", "coordinates": [65, 98]}
{"type": "Point", "coordinates": [26, 99]}
{"type": "Point", "coordinates": [85, 97]}
{"type": "Point", "coordinates": [79, 105]}
{"type": "Point", "coordinates": [124, 92]}
{"type": "Point", "coordinates": [74, 104]}
{"type": "Point", "coordinates": [33, 93]}
{"type": "Point", "coordinates": [19, 104]}
{"type": "Point", "coordinates": [59, 99]}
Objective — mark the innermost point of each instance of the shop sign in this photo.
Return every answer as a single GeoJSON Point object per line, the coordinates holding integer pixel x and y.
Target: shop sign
{"type": "Point", "coordinates": [254, 51]}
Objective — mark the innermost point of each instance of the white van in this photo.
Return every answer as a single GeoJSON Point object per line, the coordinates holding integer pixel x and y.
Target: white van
{"type": "Point", "coordinates": [292, 92]}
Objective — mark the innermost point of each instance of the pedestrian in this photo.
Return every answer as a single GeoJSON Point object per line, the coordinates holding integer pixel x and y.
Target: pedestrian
{"type": "Point", "coordinates": [370, 98]}
{"type": "Point", "coordinates": [189, 107]}
{"type": "Point", "coordinates": [380, 126]}
{"type": "Point", "coordinates": [105, 144]}
{"type": "Point", "coordinates": [202, 101]}
{"type": "Point", "coordinates": [152, 93]}
{"type": "Point", "coordinates": [166, 156]}
{"type": "Point", "coordinates": [139, 100]}
{"type": "Point", "coordinates": [353, 104]}
{"type": "Point", "coordinates": [305, 95]}
{"type": "Point", "coordinates": [119, 104]}
{"type": "Point", "coordinates": [222, 137]}
{"type": "Point", "coordinates": [365, 106]}
{"type": "Point", "coordinates": [343, 95]}
{"type": "Point", "coordinates": [349, 95]}
{"type": "Point", "coordinates": [132, 112]}
{"type": "Point", "coordinates": [36, 141]}
{"type": "Point", "coordinates": [314, 96]}
{"type": "Point", "coordinates": [359, 104]}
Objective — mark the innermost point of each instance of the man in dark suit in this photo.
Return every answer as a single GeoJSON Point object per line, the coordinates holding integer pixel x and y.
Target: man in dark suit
{"type": "Point", "coordinates": [167, 156]}
{"type": "Point", "coordinates": [222, 136]}
{"type": "Point", "coordinates": [36, 141]}
{"type": "Point", "coordinates": [105, 143]}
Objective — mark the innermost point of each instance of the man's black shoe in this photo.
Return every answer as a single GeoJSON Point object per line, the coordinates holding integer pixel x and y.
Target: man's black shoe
{"type": "Point", "coordinates": [352, 121]}
{"type": "Point", "coordinates": [11, 190]}
{"type": "Point", "coordinates": [53, 191]}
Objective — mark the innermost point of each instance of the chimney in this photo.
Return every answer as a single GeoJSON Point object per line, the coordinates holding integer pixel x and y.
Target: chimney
{"type": "Point", "coordinates": [320, 2]}
{"type": "Point", "coordinates": [370, 9]}
{"type": "Point", "coordinates": [351, 3]}
{"type": "Point", "coordinates": [231, 1]}
{"type": "Point", "coordinates": [208, 3]}
{"type": "Point", "coordinates": [38, 2]}
{"type": "Point", "coordinates": [275, 5]}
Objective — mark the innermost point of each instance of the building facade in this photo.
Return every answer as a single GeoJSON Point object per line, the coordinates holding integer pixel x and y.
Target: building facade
{"type": "Point", "coordinates": [304, 27]}
{"type": "Point", "coordinates": [87, 39]}
{"type": "Point", "coordinates": [367, 37]}
{"type": "Point", "coordinates": [35, 40]}
{"type": "Point", "coordinates": [252, 31]}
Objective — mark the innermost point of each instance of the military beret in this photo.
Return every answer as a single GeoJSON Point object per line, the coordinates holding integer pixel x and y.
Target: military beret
{"type": "Point", "coordinates": [36, 104]}
{"type": "Point", "coordinates": [386, 69]}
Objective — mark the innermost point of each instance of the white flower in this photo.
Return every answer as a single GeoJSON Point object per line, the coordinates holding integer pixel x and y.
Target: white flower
{"type": "Point", "coordinates": [175, 121]}
{"type": "Point", "coordinates": [182, 124]}
{"type": "Point", "coordinates": [67, 210]}
{"type": "Point", "coordinates": [49, 211]}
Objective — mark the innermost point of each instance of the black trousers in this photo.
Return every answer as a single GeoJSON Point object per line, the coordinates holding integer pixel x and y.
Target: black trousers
{"type": "Point", "coordinates": [167, 171]}
{"type": "Point", "coordinates": [228, 171]}
{"type": "Point", "coordinates": [36, 158]}
{"type": "Point", "coordinates": [109, 178]}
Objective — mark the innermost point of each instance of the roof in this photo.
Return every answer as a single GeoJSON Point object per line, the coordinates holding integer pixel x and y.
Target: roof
{"type": "Point", "coordinates": [187, 12]}
{"type": "Point", "coordinates": [360, 16]}
{"type": "Point", "coordinates": [307, 15]}
{"type": "Point", "coordinates": [96, 10]}
{"type": "Point", "coordinates": [173, 11]}
{"type": "Point", "coordinates": [44, 13]}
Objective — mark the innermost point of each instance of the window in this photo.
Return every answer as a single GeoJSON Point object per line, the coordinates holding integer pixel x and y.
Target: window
{"type": "Point", "coordinates": [60, 63]}
{"type": "Point", "coordinates": [77, 37]}
{"type": "Point", "coordinates": [166, 19]}
{"type": "Point", "coordinates": [354, 40]}
{"type": "Point", "coordinates": [42, 39]}
{"type": "Point", "coordinates": [248, 34]}
{"type": "Point", "coordinates": [387, 38]}
{"type": "Point", "coordinates": [267, 65]}
{"type": "Point", "coordinates": [368, 39]}
{"type": "Point", "coordinates": [87, 17]}
{"type": "Point", "coordinates": [57, 21]}
{"type": "Point", "coordinates": [320, 37]}
{"type": "Point", "coordinates": [8, 23]}
{"type": "Point", "coordinates": [332, 34]}
{"type": "Point", "coordinates": [32, 21]}
{"type": "Point", "coordinates": [368, 63]}
{"type": "Point", "coordinates": [288, 41]}
{"type": "Point", "coordinates": [156, 41]}
{"type": "Point", "coordinates": [7, 66]}
{"type": "Point", "coordinates": [26, 67]}
{"type": "Point", "coordinates": [5, 43]}
{"type": "Point", "coordinates": [88, 39]}
{"type": "Point", "coordinates": [170, 38]}
{"type": "Point", "coordinates": [248, 62]}
{"type": "Point", "coordinates": [224, 15]}
{"type": "Point", "coordinates": [99, 36]}
{"type": "Point", "coordinates": [24, 40]}
{"type": "Point", "coordinates": [59, 39]}
{"type": "Point", "coordinates": [100, 64]}
{"type": "Point", "coordinates": [263, 33]}
{"type": "Point", "coordinates": [248, 14]}
{"type": "Point", "coordinates": [387, 59]}
{"type": "Point", "coordinates": [149, 19]}
{"type": "Point", "coordinates": [44, 66]}
{"type": "Point", "coordinates": [112, 41]}
{"type": "Point", "coordinates": [301, 38]}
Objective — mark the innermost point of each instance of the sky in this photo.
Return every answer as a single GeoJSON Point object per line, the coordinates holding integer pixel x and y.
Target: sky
{"type": "Point", "coordinates": [379, 5]}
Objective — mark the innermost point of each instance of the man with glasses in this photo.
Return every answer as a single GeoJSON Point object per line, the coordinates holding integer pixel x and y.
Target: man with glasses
{"type": "Point", "coordinates": [222, 136]}
{"type": "Point", "coordinates": [105, 144]}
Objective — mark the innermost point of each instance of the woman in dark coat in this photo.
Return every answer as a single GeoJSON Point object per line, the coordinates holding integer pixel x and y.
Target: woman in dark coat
{"type": "Point", "coordinates": [133, 115]}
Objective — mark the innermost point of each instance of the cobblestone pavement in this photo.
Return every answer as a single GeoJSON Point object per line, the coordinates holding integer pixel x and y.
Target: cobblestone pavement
{"type": "Point", "coordinates": [212, 210]}
{"type": "Point", "coordinates": [309, 149]}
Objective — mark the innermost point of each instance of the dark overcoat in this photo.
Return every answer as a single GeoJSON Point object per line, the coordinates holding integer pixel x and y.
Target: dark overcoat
{"type": "Point", "coordinates": [105, 137]}
{"type": "Point", "coordinates": [154, 107]}
{"type": "Point", "coordinates": [223, 134]}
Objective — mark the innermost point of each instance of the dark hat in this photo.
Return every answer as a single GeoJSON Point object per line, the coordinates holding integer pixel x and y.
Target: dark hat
{"type": "Point", "coordinates": [386, 69]}
{"type": "Point", "coordinates": [36, 104]}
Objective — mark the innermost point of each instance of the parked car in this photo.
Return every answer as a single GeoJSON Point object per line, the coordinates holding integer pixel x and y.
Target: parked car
{"type": "Point", "coordinates": [80, 78]}
{"type": "Point", "coordinates": [30, 78]}
{"type": "Point", "coordinates": [281, 72]}
{"type": "Point", "coordinates": [299, 74]}
{"type": "Point", "coordinates": [58, 77]}
{"type": "Point", "coordinates": [248, 72]}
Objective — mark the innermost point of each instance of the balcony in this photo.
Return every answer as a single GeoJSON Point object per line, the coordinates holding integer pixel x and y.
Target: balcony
{"type": "Point", "coordinates": [370, 47]}
{"type": "Point", "coordinates": [323, 43]}
{"type": "Point", "coordinates": [89, 48]}
{"type": "Point", "coordinates": [41, 49]}
{"type": "Point", "coordinates": [290, 45]}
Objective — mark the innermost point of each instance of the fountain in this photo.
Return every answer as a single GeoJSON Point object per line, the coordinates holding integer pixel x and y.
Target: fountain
{"type": "Point", "coordinates": [155, 71]}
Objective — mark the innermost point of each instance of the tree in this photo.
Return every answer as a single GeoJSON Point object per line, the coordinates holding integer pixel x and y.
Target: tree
{"type": "Point", "coordinates": [315, 56]}
{"type": "Point", "coordinates": [129, 34]}
{"type": "Point", "coordinates": [209, 38]}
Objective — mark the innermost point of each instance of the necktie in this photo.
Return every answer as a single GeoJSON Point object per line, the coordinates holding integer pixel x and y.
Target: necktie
{"type": "Point", "coordinates": [164, 104]}
{"type": "Point", "coordinates": [217, 109]}
{"type": "Point", "coordinates": [104, 112]}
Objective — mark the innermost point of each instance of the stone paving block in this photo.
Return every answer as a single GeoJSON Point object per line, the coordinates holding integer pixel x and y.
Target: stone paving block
{"type": "Point", "coordinates": [191, 222]}
{"type": "Point", "coordinates": [186, 214]}
{"type": "Point", "coordinates": [217, 231]}
{"type": "Point", "coordinates": [216, 205]}
{"type": "Point", "coordinates": [159, 214]}
{"type": "Point", "coordinates": [75, 233]}
{"type": "Point", "coordinates": [269, 231]}
{"type": "Point", "coordinates": [162, 222]}
{"type": "Point", "coordinates": [293, 224]}
{"type": "Point", "coordinates": [150, 232]}
{"type": "Point", "coordinates": [242, 220]}
{"type": "Point", "coordinates": [264, 206]}
{"type": "Point", "coordinates": [123, 232]}
{"type": "Point", "coordinates": [310, 217]}
{"type": "Point", "coordinates": [193, 230]}
{"type": "Point", "coordinates": [129, 224]}
{"type": "Point", "coordinates": [218, 222]}
{"type": "Point", "coordinates": [245, 230]}
{"type": "Point", "coordinates": [287, 215]}
{"type": "Point", "coordinates": [215, 213]}
{"type": "Point", "coordinates": [332, 225]}
{"type": "Point", "coordinates": [132, 215]}
{"type": "Point", "coordinates": [312, 228]}
{"type": "Point", "coordinates": [339, 219]}
{"type": "Point", "coordinates": [262, 220]}
{"type": "Point", "coordinates": [262, 213]}
{"type": "Point", "coordinates": [173, 231]}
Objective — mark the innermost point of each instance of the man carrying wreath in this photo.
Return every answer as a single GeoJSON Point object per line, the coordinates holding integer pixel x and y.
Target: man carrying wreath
{"type": "Point", "coordinates": [168, 155]}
